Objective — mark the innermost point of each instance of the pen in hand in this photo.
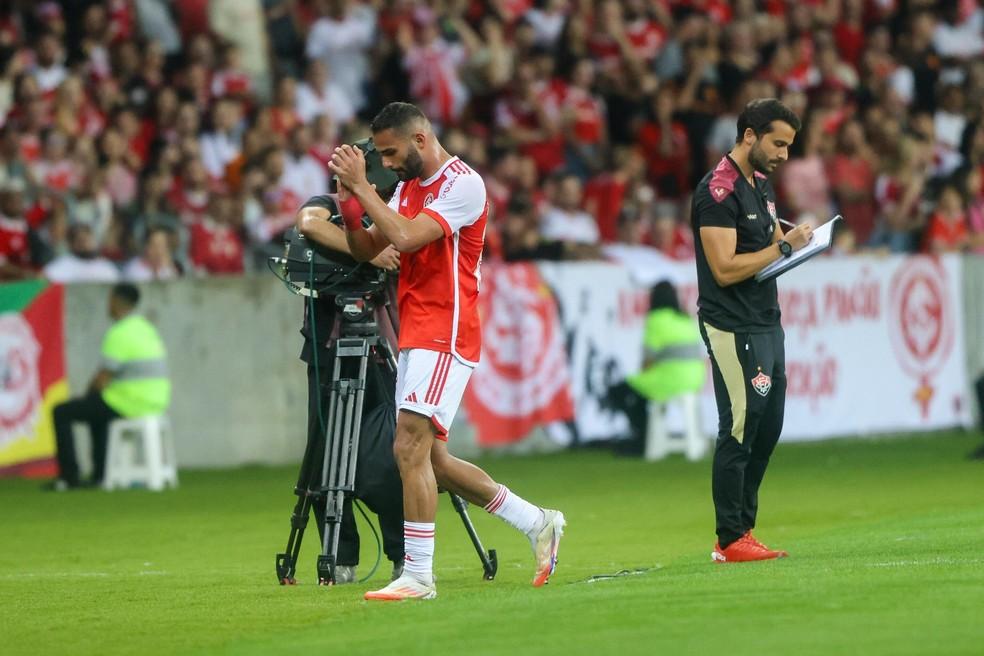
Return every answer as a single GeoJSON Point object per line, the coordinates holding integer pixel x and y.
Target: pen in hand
{"type": "Point", "coordinates": [792, 225]}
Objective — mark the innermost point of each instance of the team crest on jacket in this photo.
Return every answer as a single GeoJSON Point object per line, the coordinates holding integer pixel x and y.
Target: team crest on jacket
{"type": "Point", "coordinates": [772, 208]}
{"type": "Point", "coordinates": [762, 383]}
{"type": "Point", "coordinates": [428, 199]}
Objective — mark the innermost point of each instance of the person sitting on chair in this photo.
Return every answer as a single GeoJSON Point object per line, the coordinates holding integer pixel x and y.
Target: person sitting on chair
{"type": "Point", "coordinates": [672, 362]}
{"type": "Point", "coordinates": [132, 381]}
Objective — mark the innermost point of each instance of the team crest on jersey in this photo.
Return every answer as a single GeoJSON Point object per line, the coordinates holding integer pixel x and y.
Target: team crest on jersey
{"type": "Point", "coordinates": [772, 208]}
{"type": "Point", "coordinates": [428, 199]}
{"type": "Point", "coordinates": [762, 383]}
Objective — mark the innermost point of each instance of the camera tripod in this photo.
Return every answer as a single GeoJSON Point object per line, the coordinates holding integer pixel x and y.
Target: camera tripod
{"type": "Point", "coordinates": [359, 341]}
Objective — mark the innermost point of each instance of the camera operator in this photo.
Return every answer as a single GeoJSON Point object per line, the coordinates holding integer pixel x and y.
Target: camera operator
{"type": "Point", "coordinates": [378, 485]}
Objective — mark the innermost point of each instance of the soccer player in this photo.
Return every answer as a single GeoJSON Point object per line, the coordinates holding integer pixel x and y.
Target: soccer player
{"type": "Point", "coordinates": [736, 234]}
{"type": "Point", "coordinates": [436, 218]}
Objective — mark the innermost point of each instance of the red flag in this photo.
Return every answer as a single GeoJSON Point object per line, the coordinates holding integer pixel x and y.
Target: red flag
{"type": "Point", "coordinates": [523, 380]}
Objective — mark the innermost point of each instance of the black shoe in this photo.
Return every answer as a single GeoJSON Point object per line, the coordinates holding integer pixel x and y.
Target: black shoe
{"type": "Point", "coordinates": [630, 448]}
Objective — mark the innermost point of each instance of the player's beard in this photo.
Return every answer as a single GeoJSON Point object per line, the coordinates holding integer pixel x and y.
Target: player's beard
{"type": "Point", "coordinates": [413, 166]}
{"type": "Point", "coordinates": [760, 160]}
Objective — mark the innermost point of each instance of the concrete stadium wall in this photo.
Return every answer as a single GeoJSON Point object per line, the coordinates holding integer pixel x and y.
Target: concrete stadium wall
{"type": "Point", "coordinates": [239, 388]}
{"type": "Point", "coordinates": [240, 391]}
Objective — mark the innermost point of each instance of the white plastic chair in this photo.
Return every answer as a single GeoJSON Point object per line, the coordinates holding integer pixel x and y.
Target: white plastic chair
{"type": "Point", "coordinates": [660, 443]}
{"type": "Point", "coordinates": [140, 452]}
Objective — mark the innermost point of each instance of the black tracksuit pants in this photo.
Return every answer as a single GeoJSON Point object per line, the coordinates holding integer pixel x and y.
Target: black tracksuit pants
{"type": "Point", "coordinates": [749, 373]}
{"type": "Point", "coordinates": [90, 410]}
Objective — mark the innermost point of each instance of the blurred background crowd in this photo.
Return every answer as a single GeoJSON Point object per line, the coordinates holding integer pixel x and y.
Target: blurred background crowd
{"type": "Point", "coordinates": [149, 139]}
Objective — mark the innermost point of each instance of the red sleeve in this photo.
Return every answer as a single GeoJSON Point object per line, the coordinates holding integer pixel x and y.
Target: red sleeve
{"type": "Point", "coordinates": [440, 219]}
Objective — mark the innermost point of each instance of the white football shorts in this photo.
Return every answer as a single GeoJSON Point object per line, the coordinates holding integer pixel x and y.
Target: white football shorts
{"type": "Point", "coordinates": [431, 384]}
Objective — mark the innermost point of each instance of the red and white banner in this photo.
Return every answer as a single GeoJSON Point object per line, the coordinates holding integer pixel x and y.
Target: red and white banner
{"type": "Point", "coordinates": [873, 344]}
{"type": "Point", "coordinates": [522, 380]}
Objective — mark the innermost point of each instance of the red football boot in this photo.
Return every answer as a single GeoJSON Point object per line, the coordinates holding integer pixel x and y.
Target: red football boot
{"type": "Point", "coordinates": [743, 550]}
{"type": "Point", "coordinates": [780, 553]}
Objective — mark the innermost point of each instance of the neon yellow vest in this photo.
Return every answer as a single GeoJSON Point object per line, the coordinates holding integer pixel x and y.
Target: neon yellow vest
{"type": "Point", "coordinates": [672, 341]}
{"type": "Point", "coordinates": [133, 351]}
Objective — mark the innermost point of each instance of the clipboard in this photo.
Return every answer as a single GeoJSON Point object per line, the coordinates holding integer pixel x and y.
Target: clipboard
{"type": "Point", "coordinates": [822, 239]}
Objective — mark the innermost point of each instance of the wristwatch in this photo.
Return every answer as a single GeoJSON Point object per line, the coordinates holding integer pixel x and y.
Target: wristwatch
{"type": "Point", "coordinates": [785, 248]}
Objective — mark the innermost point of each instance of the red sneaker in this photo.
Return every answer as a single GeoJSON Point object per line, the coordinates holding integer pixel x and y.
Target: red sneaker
{"type": "Point", "coordinates": [742, 550]}
{"type": "Point", "coordinates": [780, 552]}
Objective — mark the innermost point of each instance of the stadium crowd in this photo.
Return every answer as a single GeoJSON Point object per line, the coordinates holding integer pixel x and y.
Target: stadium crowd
{"type": "Point", "coordinates": [148, 139]}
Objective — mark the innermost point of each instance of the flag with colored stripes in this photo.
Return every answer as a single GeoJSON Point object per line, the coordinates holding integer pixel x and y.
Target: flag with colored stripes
{"type": "Point", "coordinates": [32, 375]}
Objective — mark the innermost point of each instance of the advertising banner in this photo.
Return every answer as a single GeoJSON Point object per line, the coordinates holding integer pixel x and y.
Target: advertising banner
{"type": "Point", "coordinates": [873, 344]}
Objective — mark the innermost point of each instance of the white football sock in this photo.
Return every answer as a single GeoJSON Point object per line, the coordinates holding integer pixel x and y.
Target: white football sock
{"type": "Point", "coordinates": [515, 511]}
{"type": "Point", "coordinates": [418, 542]}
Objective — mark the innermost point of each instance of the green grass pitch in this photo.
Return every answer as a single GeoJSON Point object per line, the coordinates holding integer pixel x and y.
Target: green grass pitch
{"type": "Point", "coordinates": [885, 538]}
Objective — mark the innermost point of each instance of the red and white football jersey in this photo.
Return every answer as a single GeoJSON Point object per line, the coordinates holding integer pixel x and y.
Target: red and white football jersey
{"type": "Point", "coordinates": [438, 290]}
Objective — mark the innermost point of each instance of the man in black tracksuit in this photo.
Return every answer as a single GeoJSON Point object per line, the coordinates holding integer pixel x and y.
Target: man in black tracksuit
{"type": "Point", "coordinates": [737, 233]}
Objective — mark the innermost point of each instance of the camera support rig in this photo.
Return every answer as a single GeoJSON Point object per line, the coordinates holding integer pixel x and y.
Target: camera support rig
{"type": "Point", "coordinates": [359, 340]}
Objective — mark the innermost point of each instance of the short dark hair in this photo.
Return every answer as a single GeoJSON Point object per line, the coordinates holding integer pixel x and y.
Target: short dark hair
{"type": "Point", "coordinates": [759, 115]}
{"type": "Point", "coordinates": [396, 116]}
{"type": "Point", "coordinates": [127, 293]}
{"type": "Point", "coordinates": [664, 295]}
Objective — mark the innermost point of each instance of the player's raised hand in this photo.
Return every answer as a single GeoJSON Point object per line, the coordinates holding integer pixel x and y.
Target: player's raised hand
{"type": "Point", "coordinates": [349, 164]}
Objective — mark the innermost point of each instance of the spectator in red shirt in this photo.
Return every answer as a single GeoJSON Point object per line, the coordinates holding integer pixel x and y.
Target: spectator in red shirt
{"type": "Point", "coordinates": [73, 113]}
{"type": "Point", "coordinates": [283, 114]}
{"type": "Point", "coordinates": [849, 31]}
{"type": "Point", "coordinates": [605, 193]}
{"type": "Point", "coordinates": [231, 80]}
{"type": "Point", "coordinates": [666, 146]}
{"type": "Point", "coordinates": [55, 169]}
{"type": "Point", "coordinates": [189, 194]}
{"type": "Point", "coordinates": [851, 172]}
{"type": "Point", "coordinates": [583, 117]}
{"type": "Point", "coordinates": [528, 119]}
{"type": "Point", "coordinates": [216, 240]}
{"type": "Point", "coordinates": [15, 238]}
{"type": "Point", "coordinates": [947, 229]}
